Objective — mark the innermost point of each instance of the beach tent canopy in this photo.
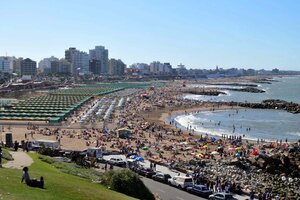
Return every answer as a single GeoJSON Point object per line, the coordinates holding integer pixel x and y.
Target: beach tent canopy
{"type": "Point", "coordinates": [137, 158]}
{"type": "Point", "coordinates": [214, 153]}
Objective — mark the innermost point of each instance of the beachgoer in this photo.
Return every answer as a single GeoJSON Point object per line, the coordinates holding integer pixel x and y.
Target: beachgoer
{"type": "Point", "coordinates": [16, 145]}
{"type": "Point", "coordinates": [31, 182]}
{"type": "Point", "coordinates": [252, 195]}
{"type": "Point", "coordinates": [26, 176]}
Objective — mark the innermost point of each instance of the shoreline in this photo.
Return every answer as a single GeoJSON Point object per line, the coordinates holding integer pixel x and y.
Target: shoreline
{"type": "Point", "coordinates": [163, 117]}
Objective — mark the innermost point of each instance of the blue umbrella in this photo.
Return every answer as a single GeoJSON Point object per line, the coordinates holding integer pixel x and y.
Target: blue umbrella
{"type": "Point", "coordinates": [139, 158]}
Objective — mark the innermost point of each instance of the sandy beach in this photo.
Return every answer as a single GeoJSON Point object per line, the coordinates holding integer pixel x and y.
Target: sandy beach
{"type": "Point", "coordinates": [143, 117]}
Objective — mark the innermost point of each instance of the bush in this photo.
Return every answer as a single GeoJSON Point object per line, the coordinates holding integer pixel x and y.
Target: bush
{"type": "Point", "coordinates": [79, 159]}
{"type": "Point", "coordinates": [46, 151]}
{"type": "Point", "coordinates": [127, 182]}
{"type": "Point", "coordinates": [6, 155]}
{"type": "Point", "coordinates": [72, 168]}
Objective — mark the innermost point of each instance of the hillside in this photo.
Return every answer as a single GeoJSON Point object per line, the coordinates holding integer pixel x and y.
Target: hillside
{"type": "Point", "coordinates": [58, 185]}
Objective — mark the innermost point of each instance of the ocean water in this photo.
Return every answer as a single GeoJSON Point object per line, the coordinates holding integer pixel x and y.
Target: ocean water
{"type": "Point", "coordinates": [270, 125]}
{"type": "Point", "coordinates": [287, 88]}
{"type": "Point", "coordinates": [263, 124]}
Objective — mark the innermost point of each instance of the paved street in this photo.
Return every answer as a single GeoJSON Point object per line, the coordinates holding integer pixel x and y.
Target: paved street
{"type": "Point", "coordinates": [167, 192]}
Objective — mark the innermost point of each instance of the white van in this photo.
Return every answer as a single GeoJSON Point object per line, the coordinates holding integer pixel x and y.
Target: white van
{"type": "Point", "coordinates": [95, 152]}
{"type": "Point", "coordinates": [182, 182]}
{"type": "Point", "coordinates": [52, 144]}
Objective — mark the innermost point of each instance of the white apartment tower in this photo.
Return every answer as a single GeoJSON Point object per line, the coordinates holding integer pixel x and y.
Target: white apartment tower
{"type": "Point", "coordinates": [79, 60]}
{"type": "Point", "coordinates": [46, 63]}
{"type": "Point", "coordinates": [6, 64]}
{"type": "Point", "coordinates": [100, 54]}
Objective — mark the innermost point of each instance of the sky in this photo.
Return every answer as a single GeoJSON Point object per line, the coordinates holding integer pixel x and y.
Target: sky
{"type": "Point", "coordinates": [197, 33]}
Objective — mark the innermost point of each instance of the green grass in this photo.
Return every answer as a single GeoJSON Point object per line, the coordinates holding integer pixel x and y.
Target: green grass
{"type": "Point", "coordinates": [58, 185]}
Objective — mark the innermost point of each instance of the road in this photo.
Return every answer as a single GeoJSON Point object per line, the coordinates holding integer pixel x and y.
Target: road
{"type": "Point", "coordinates": [167, 192]}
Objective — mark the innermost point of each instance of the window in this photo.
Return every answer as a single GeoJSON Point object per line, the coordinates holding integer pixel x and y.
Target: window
{"type": "Point", "coordinates": [228, 197]}
{"type": "Point", "coordinates": [204, 188]}
{"type": "Point", "coordinates": [188, 180]}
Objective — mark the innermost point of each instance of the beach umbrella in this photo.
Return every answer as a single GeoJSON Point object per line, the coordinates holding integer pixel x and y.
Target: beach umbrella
{"type": "Point", "coordinates": [133, 157]}
{"type": "Point", "coordinates": [214, 153]}
{"type": "Point", "coordinates": [139, 158]}
{"type": "Point", "coordinates": [255, 152]}
{"type": "Point", "coordinates": [200, 155]}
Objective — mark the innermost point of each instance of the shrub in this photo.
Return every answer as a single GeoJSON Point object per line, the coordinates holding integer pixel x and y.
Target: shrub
{"type": "Point", "coordinates": [46, 151]}
{"type": "Point", "coordinates": [6, 155]}
{"type": "Point", "coordinates": [127, 182]}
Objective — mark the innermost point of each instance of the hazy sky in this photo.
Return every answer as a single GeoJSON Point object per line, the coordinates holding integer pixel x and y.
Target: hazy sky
{"type": "Point", "coordinates": [200, 34]}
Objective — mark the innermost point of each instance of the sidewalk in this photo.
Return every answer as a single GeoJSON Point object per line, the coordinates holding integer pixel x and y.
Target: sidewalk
{"type": "Point", "coordinates": [21, 159]}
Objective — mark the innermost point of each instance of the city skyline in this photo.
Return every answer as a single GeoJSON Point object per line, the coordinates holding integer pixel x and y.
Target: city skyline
{"type": "Point", "coordinates": [199, 34]}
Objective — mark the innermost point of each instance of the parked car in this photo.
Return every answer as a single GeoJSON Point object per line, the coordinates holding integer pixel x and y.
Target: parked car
{"type": "Point", "coordinates": [200, 190]}
{"type": "Point", "coordinates": [117, 162]}
{"type": "Point", "coordinates": [221, 196]}
{"type": "Point", "coordinates": [161, 177]}
{"type": "Point", "coordinates": [147, 172]}
{"type": "Point", "coordinates": [182, 182]}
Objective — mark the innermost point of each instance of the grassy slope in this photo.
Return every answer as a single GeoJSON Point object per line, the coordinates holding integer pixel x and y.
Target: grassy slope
{"type": "Point", "coordinates": [58, 185]}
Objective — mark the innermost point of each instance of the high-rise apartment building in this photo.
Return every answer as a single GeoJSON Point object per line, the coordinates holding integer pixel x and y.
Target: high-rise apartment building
{"type": "Point", "coordinates": [64, 67]}
{"type": "Point", "coordinates": [69, 55]}
{"type": "Point", "coordinates": [45, 64]}
{"type": "Point", "coordinates": [157, 67]}
{"type": "Point", "coordinates": [54, 67]}
{"type": "Point", "coordinates": [17, 65]}
{"type": "Point", "coordinates": [100, 54]}
{"type": "Point", "coordinates": [28, 67]}
{"type": "Point", "coordinates": [61, 66]}
{"type": "Point", "coordinates": [79, 60]}
{"type": "Point", "coordinates": [116, 67]}
{"type": "Point", "coordinates": [95, 66]}
{"type": "Point", "coordinates": [6, 64]}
